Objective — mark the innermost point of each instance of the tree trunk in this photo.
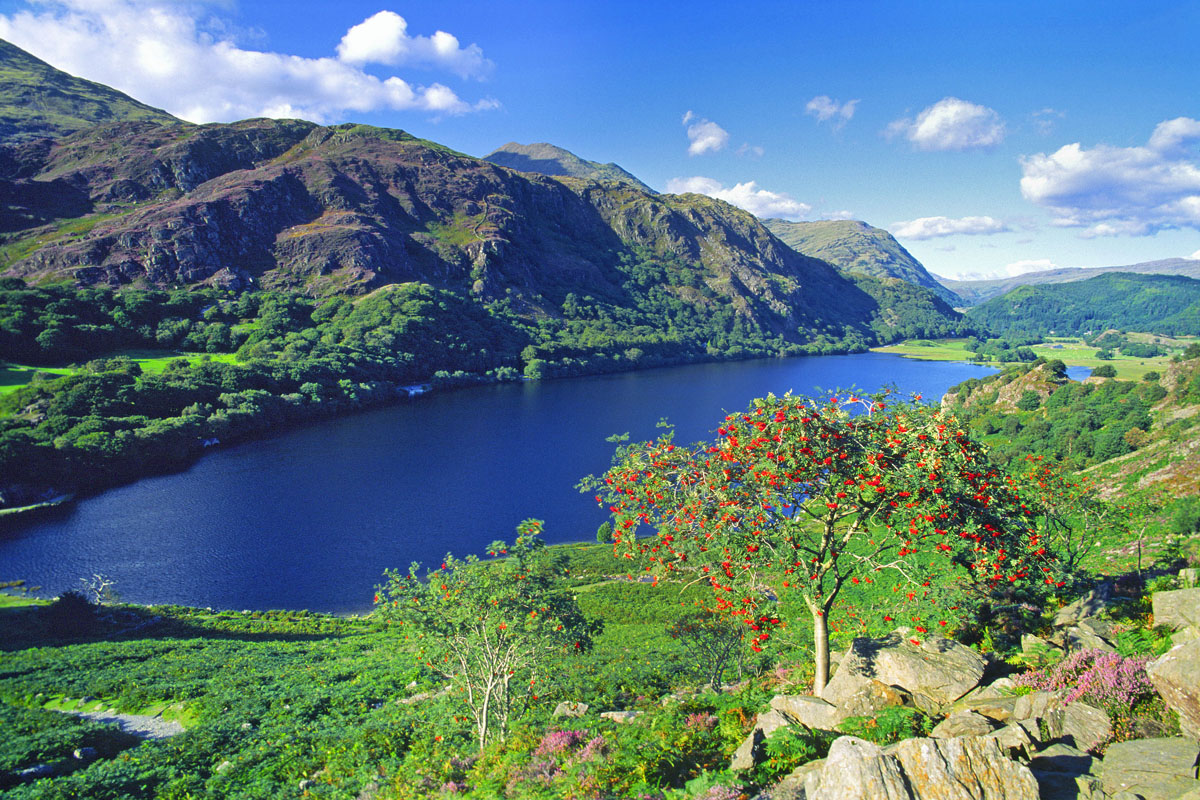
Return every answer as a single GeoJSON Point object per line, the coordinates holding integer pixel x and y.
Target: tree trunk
{"type": "Point", "coordinates": [820, 650]}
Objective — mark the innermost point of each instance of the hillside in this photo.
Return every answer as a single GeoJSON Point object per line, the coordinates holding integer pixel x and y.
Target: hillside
{"type": "Point", "coordinates": [547, 159]}
{"type": "Point", "coordinates": [346, 209]}
{"type": "Point", "coordinates": [1166, 304]}
{"type": "Point", "coordinates": [976, 292]}
{"type": "Point", "coordinates": [37, 100]}
{"type": "Point", "coordinates": [854, 246]}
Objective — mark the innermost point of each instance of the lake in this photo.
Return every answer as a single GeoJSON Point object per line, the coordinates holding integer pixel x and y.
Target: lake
{"type": "Point", "coordinates": [312, 517]}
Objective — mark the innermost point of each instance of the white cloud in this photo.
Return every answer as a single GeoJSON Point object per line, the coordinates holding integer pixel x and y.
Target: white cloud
{"type": "Point", "coordinates": [1195, 256]}
{"type": "Point", "coordinates": [383, 39]}
{"type": "Point", "coordinates": [932, 227]}
{"type": "Point", "coordinates": [751, 150]}
{"type": "Point", "coordinates": [759, 202]}
{"type": "Point", "coordinates": [825, 108]}
{"type": "Point", "coordinates": [156, 51]}
{"type": "Point", "coordinates": [1029, 265]}
{"type": "Point", "coordinates": [704, 136]}
{"type": "Point", "coordinates": [1112, 191]}
{"type": "Point", "coordinates": [951, 124]}
{"type": "Point", "coordinates": [843, 214]}
{"type": "Point", "coordinates": [1045, 119]}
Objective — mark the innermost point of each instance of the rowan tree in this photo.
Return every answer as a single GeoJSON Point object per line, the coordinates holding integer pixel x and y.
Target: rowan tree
{"type": "Point", "coordinates": [489, 627]}
{"type": "Point", "coordinates": [799, 494]}
{"type": "Point", "coordinates": [1070, 509]}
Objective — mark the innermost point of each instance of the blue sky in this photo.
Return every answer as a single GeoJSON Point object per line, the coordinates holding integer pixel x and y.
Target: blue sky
{"type": "Point", "coordinates": [990, 139]}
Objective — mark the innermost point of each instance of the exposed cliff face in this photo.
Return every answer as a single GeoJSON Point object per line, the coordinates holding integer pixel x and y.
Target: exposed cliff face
{"type": "Point", "coordinates": [346, 209]}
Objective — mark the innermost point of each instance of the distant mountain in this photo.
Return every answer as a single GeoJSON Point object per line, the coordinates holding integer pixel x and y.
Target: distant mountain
{"type": "Point", "coordinates": [976, 292]}
{"type": "Point", "coordinates": [547, 159]}
{"type": "Point", "coordinates": [1166, 304]}
{"type": "Point", "coordinates": [37, 100]}
{"type": "Point", "coordinates": [854, 246]}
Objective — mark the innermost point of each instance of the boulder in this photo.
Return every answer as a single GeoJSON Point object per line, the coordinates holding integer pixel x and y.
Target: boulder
{"type": "Point", "coordinates": [963, 723]}
{"type": "Point", "coordinates": [1177, 609]}
{"type": "Point", "coordinates": [1059, 770]}
{"type": "Point", "coordinates": [750, 751]}
{"type": "Point", "coordinates": [568, 709]}
{"type": "Point", "coordinates": [1090, 605]}
{"type": "Point", "coordinates": [620, 717]}
{"type": "Point", "coordinates": [938, 669]}
{"type": "Point", "coordinates": [1156, 769]}
{"type": "Point", "coordinates": [811, 712]}
{"type": "Point", "coordinates": [1189, 577]}
{"type": "Point", "coordinates": [968, 768]}
{"type": "Point", "coordinates": [1176, 676]}
{"type": "Point", "coordinates": [873, 696]}
{"type": "Point", "coordinates": [1037, 704]}
{"type": "Point", "coordinates": [1086, 727]}
{"type": "Point", "coordinates": [1016, 739]}
{"type": "Point", "coordinates": [1080, 637]}
{"type": "Point", "coordinates": [999, 709]}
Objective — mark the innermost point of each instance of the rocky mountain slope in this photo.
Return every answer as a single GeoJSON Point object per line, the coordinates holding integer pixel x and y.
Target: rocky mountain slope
{"type": "Point", "coordinates": [976, 292]}
{"type": "Point", "coordinates": [37, 100]}
{"type": "Point", "coordinates": [547, 159]}
{"type": "Point", "coordinates": [854, 246]}
{"type": "Point", "coordinates": [346, 209]}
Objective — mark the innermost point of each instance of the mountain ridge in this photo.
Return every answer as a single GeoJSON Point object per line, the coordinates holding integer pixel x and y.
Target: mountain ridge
{"type": "Point", "coordinates": [544, 158]}
{"type": "Point", "coordinates": [975, 292]}
{"type": "Point", "coordinates": [37, 100]}
{"type": "Point", "coordinates": [854, 246]}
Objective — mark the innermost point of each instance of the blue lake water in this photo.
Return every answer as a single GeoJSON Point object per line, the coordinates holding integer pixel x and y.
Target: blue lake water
{"type": "Point", "coordinates": [312, 517]}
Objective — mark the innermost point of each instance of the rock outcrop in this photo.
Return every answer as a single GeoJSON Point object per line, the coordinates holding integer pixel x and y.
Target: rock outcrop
{"type": "Point", "coordinates": [936, 672]}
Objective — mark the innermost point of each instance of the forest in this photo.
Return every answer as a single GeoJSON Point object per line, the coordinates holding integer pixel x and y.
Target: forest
{"type": "Point", "coordinates": [157, 374]}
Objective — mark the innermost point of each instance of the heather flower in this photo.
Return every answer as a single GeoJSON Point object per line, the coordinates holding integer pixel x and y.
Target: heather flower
{"type": "Point", "coordinates": [721, 793]}
{"type": "Point", "coordinates": [558, 741]}
{"type": "Point", "coordinates": [1097, 677]}
{"type": "Point", "coordinates": [701, 721]}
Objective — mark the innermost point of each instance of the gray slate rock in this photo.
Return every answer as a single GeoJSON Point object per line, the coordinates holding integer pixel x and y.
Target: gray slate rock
{"type": "Point", "coordinates": [568, 709]}
{"type": "Point", "coordinates": [969, 768]}
{"type": "Point", "coordinates": [1157, 769]}
{"type": "Point", "coordinates": [751, 750]}
{"type": "Point", "coordinates": [873, 696]}
{"type": "Point", "coordinates": [620, 717]}
{"type": "Point", "coordinates": [1177, 609]}
{"type": "Point", "coordinates": [1016, 739]}
{"type": "Point", "coordinates": [1090, 605]}
{"type": "Point", "coordinates": [938, 669]}
{"type": "Point", "coordinates": [1037, 704]}
{"type": "Point", "coordinates": [811, 712]}
{"type": "Point", "coordinates": [963, 723]}
{"type": "Point", "coordinates": [1081, 637]}
{"type": "Point", "coordinates": [1176, 676]}
{"type": "Point", "coordinates": [1085, 726]}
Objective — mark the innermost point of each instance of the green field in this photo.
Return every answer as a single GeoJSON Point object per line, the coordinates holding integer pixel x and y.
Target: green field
{"type": "Point", "coordinates": [1072, 352]}
{"type": "Point", "coordinates": [14, 376]}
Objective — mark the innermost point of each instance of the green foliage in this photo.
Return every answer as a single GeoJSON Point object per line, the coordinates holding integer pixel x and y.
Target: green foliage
{"type": "Point", "coordinates": [492, 629]}
{"type": "Point", "coordinates": [889, 726]}
{"type": "Point", "coordinates": [1168, 304]}
{"type": "Point", "coordinates": [789, 747]}
{"type": "Point", "coordinates": [1104, 371]}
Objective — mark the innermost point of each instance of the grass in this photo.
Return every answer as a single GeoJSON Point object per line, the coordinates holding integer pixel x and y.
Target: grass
{"type": "Point", "coordinates": [1072, 352]}
{"type": "Point", "coordinates": [152, 362]}
{"type": "Point", "coordinates": [24, 246]}
{"type": "Point", "coordinates": [929, 350]}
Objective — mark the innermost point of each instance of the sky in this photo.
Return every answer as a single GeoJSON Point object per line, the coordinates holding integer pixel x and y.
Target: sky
{"type": "Point", "coordinates": [990, 139]}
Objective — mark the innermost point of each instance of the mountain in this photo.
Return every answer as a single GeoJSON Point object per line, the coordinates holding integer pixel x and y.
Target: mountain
{"type": "Point", "coordinates": [854, 246]}
{"type": "Point", "coordinates": [547, 159]}
{"type": "Point", "coordinates": [37, 100]}
{"type": "Point", "coordinates": [976, 292]}
{"type": "Point", "coordinates": [291, 205]}
{"type": "Point", "coordinates": [1166, 304]}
